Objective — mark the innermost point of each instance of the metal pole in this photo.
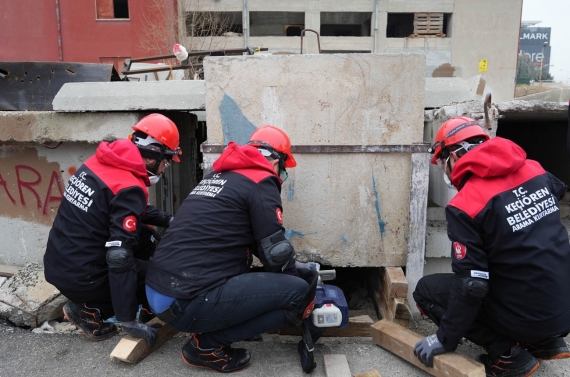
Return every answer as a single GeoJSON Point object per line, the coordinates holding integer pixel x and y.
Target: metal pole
{"type": "Point", "coordinates": [58, 30]}
{"type": "Point", "coordinates": [245, 23]}
{"type": "Point", "coordinates": [375, 49]}
{"type": "Point", "coordinates": [541, 65]}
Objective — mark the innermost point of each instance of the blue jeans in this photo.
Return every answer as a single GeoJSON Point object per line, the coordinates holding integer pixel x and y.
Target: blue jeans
{"type": "Point", "coordinates": [246, 305]}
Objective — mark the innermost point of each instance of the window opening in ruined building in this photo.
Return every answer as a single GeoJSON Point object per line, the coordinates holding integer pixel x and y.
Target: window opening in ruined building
{"type": "Point", "coordinates": [346, 24]}
{"type": "Point", "coordinates": [418, 25]}
{"type": "Point", "coordinates": [293, 30]}
{"type": "Point", "coordinates": [547, 146]}
{"type": "Point", "coordinates": [214, 24]}
{"type": "Point", "coordinates": [276, 24]}
{"type": "Point", "coordinates": [112, 9]}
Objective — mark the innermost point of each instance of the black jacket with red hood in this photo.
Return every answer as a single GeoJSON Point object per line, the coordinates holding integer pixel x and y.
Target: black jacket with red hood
{"type": "Point", "coordinates": [504, 226]}
{"type": "Point", "coordinates": [104, 205]}
{"type": "Point", "coordinates": [218, 226]}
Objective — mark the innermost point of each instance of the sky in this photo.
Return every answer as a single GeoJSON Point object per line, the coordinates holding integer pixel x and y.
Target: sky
{"type": "Point", "coordinates": [556, 15]}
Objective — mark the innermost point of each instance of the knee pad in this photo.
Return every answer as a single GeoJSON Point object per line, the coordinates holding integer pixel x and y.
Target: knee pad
{"type": "Point", "coordinates": [120, 259]}
{"type": "Point", "coordinates": [277, 250]}
{"type": "Point", "coordinates": [470, 289]}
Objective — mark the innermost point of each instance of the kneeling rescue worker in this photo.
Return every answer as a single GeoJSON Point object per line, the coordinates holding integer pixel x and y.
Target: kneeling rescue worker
{"type": "Point", "coordinates": [510, 287]}
{"type": "Point", "coordinates": [100, 242]}
{"type": "Point", "coordinates": [199, 281]}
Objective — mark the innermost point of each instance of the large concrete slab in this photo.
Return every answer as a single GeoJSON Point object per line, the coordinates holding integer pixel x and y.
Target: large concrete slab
{"type": "Point", "coordinates": [130, 96]}
{"type": "Point", "coordinates": [338, 99]}
{"type": "Point", "coordinates": [341, 209]}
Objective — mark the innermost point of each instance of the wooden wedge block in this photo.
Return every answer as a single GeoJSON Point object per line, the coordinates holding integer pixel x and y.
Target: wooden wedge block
{"type": "Point", "coordinates": [132, 350]}
{"type": "Point", "coordinates": [358, 325]}
{"type": "Point", "coordinates": [391, 296]}
{"type": "Point", "coordinates": [394, 282]}
{"type": "Point", "coordinates": [401, 341]}
{"type": "Point", "coordinates": [370, 373]}
{"type": "Point", "coordinates": [337, 366]}
{"type": "Point", "coordinates": [388, 309]}
{"type": "Point", "coordinates": [8, 271]}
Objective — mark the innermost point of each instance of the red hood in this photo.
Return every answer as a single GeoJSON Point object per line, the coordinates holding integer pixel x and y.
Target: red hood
{"type": "Point", "coordinates": [123, 154]}
{"type": "Point", "coordinates": [242, 157]}
{"type": "Point", "coordinates": [493, 158]}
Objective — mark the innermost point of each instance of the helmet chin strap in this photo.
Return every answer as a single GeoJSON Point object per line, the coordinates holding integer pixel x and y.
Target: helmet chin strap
{"type": "Point", "coordinates": [153, 169]}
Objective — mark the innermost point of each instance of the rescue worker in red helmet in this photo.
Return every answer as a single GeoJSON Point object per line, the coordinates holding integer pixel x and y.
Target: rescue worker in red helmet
{"type": "Point", "coordinates": [100, 241]}
{"type": "Point", "coordinates": [198, 280]}
{"type": "Point", "coordinates": [510, 256]}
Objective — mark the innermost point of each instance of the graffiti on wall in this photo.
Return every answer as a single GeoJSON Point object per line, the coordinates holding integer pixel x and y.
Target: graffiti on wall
{"type": "Point", "coordinates": [31, 188]}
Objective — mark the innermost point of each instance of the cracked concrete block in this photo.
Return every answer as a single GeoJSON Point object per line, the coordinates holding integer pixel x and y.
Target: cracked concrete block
{"type": "Point", "coordinates": [26, 299]}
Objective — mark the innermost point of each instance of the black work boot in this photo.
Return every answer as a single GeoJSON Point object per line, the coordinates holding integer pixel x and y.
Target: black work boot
{"type": "Point", "coordinates": [145, 315]}
{"type": "Point", "coordinates": [221, 359]}
{"type": "Point", "coordinates": [517, 363]}
{"type": "Point", "coordinates": [89, 321]}
{"type": "Point", "coordinates": [549, 349]}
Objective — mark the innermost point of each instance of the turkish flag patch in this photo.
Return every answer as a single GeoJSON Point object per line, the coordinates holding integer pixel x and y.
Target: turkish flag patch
{"type": "Point", "coordinates": [130, 223]}
{"type": "Point", "coordinates": [459, 250]}
{"type": "Point", "coordinates": [279, 215]}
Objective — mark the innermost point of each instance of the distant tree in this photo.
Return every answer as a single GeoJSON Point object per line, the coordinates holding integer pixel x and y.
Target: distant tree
{"type": "Point", "coordinates": [526, 68]}
{"type": "Point", "coordinates": [200, 29]}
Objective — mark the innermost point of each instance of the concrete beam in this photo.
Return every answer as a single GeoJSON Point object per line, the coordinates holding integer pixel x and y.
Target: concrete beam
{"type": "Point", "coordinates": [48, 127]}
{"type": "Point", "coordinates": [131, 96]}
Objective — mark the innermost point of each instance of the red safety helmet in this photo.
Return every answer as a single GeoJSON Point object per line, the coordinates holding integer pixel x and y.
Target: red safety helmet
{"type": "Point", "coordinates": [274, 139]}
{"type": "Point", "coordinates": [454, 131]}
{"type": "Point", "coordinates": [163, 138]}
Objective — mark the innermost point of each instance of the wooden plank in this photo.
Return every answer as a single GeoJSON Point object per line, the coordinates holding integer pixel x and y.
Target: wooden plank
{"type": "Point", "coordinates": [358, 325]}
{"type": "Point", "coordinates": [370, 373]}
{"type": "Point", "coordinates": [417, 223]}
{"type": "Point", "coordinates": [132, 350]}
{"type": "Point", "coordinates": [401, 342]}
{"type": "Point", "coordinates": [427, 36]}
{"type": "Point", "coordinates": [429, 14]}
{"type": "Point", "coordinates": [337, 366]}
{"type": "Point", "coordinates": [8, 271]}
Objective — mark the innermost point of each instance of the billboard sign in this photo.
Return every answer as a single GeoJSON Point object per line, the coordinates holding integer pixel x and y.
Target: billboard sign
{"type": "Point", "coordinates": [532, 44]}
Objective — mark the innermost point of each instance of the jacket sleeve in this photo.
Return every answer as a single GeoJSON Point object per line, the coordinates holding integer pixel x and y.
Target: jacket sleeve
{"type": "Point", "coordinates": [154, 216]}
{"type": "Point", "coordinates": [557, 187]}
{"type": "Point", "coordinates": [126, 209]}
{"type": "Point", "coordinates": [469, 260]}
{"type": "Point", "coordinates": [266, 216]}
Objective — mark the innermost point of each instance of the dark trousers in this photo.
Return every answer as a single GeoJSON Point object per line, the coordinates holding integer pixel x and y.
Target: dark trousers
{"type": "Point", "coordinates": [246, 305]}
{"type": "Point", "coordinates": [100, 297]}
{"type": "Point", "coordinates": [488, 330]}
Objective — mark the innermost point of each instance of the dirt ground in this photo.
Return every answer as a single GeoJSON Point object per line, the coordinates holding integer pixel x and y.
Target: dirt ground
{"type": "Point", "coordinates": [525, 90]}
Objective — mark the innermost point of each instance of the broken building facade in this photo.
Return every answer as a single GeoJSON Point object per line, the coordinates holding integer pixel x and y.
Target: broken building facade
{"type": "Point", "coordinates": [455, 35]}
{"type": "Point", "coordinates": [96, 31]}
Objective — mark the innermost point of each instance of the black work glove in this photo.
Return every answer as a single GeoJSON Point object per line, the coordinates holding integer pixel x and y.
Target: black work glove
{"type": "Point", "coordinates": [140, 330]}
{"type": "Point", "coordinates": [427, 348]}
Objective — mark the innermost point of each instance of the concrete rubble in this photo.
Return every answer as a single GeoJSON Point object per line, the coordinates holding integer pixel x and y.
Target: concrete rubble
{"type": "Point", "coordinates": [26, 299]}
